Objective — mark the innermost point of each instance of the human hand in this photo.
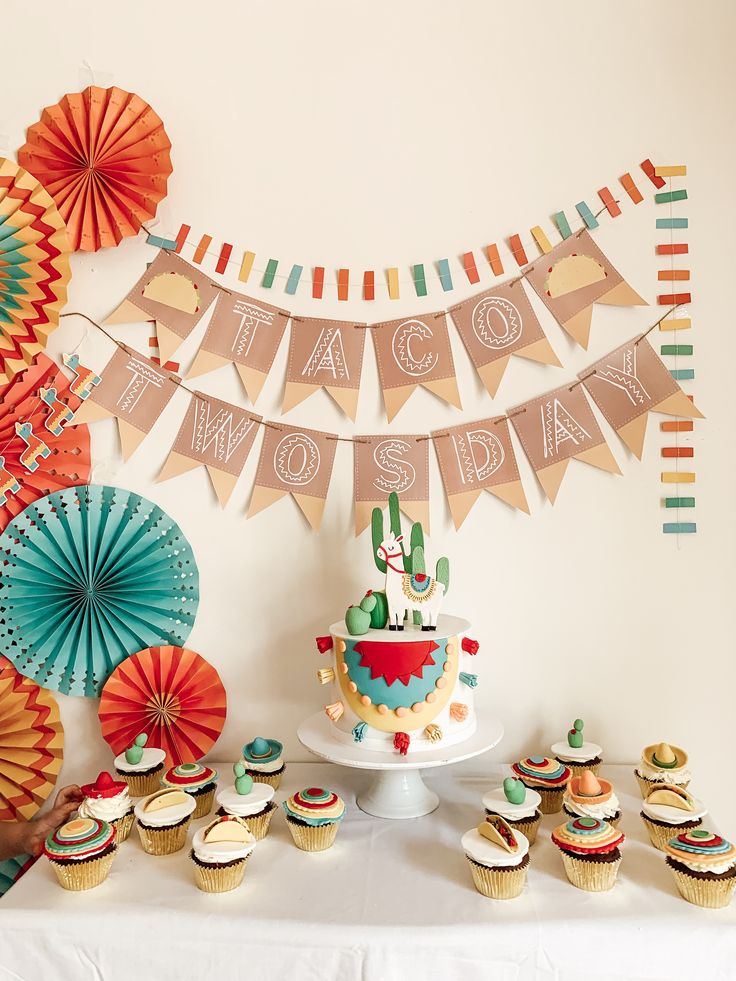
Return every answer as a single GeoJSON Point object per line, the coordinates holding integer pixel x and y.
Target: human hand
{"type": "Point", "coordinates": [37, 831]}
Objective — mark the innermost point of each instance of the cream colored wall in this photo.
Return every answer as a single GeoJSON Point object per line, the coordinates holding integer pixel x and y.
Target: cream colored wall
{"type": "Point", "coordinates": [391, 133]}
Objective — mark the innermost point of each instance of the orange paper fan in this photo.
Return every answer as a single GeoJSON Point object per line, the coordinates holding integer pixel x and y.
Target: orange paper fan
{"type": "Point", "coordinates": [103, 156]}
{"type": "Point", "coordinates": [31, 744]}
{"type": "Point", "coordinates": [170, 693]}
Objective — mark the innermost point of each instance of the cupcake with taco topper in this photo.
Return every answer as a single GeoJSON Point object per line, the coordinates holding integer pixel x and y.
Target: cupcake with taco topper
{"type": "Point", "coordinates": [668, 811]}
{"type": "Point", "coordinates": [163, 820]}
{"type": "Point", "coordinates": [576, 753]}
{"type": "Point", "coordinates": [704, 866]}
{"type": "Point", "coordinates": [547, 776]}
{"type": "Point", "coordinates": [662, 763]}
{"type": "Point", "coordinates": [588, 795]}
{"type": "Point", "coordinates": [81, 853]}
{"type": "Point", "coordinates": [262, 759]}
{"type": "Point", "coordinates": [517, 805]}
{"type": "Point", "coordinates": [141, 766]}
{"type": "Point", "coordinates": [196, 779]}
{"type": "Point", "coordinates": [498, 856]}
{"type": "Point", "coordinates": [253, 802]}
{"type": "Point", "coordinates": [313, 817]}
{"type": "Point", "coordinates": [590, 852]}
{"type": "Point", "coordinates": [220, 853]}
{"type": "Point", "coordinates": [108, 800]}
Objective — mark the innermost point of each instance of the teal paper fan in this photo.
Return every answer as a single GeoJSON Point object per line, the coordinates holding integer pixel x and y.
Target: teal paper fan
{"type": "Point", "coordinates": [91, 575]}
{"type": "Point", "coordinates": [11, 869]}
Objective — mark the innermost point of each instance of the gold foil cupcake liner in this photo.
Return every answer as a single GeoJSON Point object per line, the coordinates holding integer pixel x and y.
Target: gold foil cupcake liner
{"type": "Point", "coordinates": [658, 835]}
{"type": "Point", "coordinates": [258, 826]}
{"type": "Point", "coordinates": [591, 876]}
{"type": "Point", "coordinates": [528, 829]}
{"type": "Point", "coordinates": [272, 779]}
{"type": "Point", "coordinates": [709, 893]}
{"type": "Point", "coordinates": [142, 784]}
{"type": "Point", "coordinates": [313, 838]}
{"type": "Point", "coordinates": [496, 883]}
{"type": "Point", "coordinates": [164, 841]}
{"type": "Point", "coordinates": [578, 769]}
{"type": "Point", "coordinates": [123, 826]}
{"type": "Point", "coordinates": [204, 804]}
{"type": "Point", "coordinates": [77, 876]}
{"type": "Point", "coordinates": [219, 878]}
{"type": "Point", "coordinates": [551, 802]}
{"type": "Point", "coordinates": [646, 785]}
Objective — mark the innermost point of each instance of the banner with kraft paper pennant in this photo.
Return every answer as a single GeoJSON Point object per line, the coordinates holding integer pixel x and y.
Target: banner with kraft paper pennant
{"type": "Point", "coordinates": [412, 352]}
{"type": "Point", "coordinates": [556, 428]}
{"type": "Point", "coordinates": [135, 391]}
{"type": "Point", "coordinates": [294, 461]}
{"type": "Point", "coordinates": [173, 294]}
{"type": "Point", "coordinates": [215, 435]}
{"type": "Point", "coordinates": [496, 324]}
{"type": "Point", "coordinates": [244, 332]}
{"type": "Point", "coordinates": [383, 464]}
{"type": "Point", "coordinates": [631, 382]}
{"type": "Point", "coordinates": [572, 277]}
{"type": "Point", "coordinates": [324, 353]}
{"type": "Point", "coordinates": [478, 456]}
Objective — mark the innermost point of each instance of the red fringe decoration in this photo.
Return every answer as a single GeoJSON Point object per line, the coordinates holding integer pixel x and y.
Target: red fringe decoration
{"type": "Point", "coordinates": [324, 644]}
{"type": "Point", "coordinates": [470, 646]}
{"type": "Point", "coordinates": [401, 742]}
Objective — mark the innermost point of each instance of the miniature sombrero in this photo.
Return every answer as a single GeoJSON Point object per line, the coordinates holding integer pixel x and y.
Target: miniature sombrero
{"type": "Point", "coordinates": [589, 789]}
{"type": "Point", "coordinates": [104, 786]}
{"type": "Point", "coordinates": [664, 756]}
{"type": "Point", "coordinates": [262, 750]}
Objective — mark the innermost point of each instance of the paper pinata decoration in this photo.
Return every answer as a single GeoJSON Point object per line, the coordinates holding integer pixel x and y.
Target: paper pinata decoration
{"type": "Point", "coordinates": [31, 744]}
{"type": "Point", "coordinates": [172, 694]}
{"type": "Point", "coordinates": [103, 156]}
{"type": "Point", "coordinates": [12, 869]}
{"type": "Point", "coordinates": [34, 268]}
{"type": "Point", "coordinates": [92, 574]}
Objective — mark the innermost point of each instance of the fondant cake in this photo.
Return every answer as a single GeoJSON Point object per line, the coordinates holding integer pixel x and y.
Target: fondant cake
{"type": "Point", "coordinates": [402, 674]}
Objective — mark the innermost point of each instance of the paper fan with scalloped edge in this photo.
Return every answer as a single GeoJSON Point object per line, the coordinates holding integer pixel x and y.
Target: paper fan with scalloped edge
{"type": "Point", "coordinates": [172, 694]}
{"type": "Point", "coordinates": [12, 869]}
{"type": "Point", "coordinates": [103, 156]}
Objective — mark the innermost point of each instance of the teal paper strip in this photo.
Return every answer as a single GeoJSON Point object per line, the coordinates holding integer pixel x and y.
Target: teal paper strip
{"type": "Point", "coordinates": [679, 502]}
{"type": "Point", "coordinates": [676, 349]}
{"type": "Point", "coordinates": [683, 374]}
{"type": "Point", "coordinates": [667, 197]}
{"type": "Point", "coordinates": [562, 224]}
{"type": "Point", "coordinates": [420, 283]}
{"type": "Point", "coordinates": [293, 280]}
{"type": "Point", "coordinates": [267, 281]}
{"type": "Point", "coordinates": [679, 527]}
{"type": "Point", "coordinates": [161, 243]}
{"type": "Point", "coordinates": [586, 214]}
{"type": "Point", "coordinates": [671, 222]}
{"type": "Point", "coordinates": [443, 268]}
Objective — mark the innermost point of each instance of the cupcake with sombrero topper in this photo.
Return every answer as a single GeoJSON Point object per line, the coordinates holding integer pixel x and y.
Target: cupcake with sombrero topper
{"type": "Point", "coordinates": [196, 779]}
{"type": "Point", "coordinates": [704, 866]}
{"type": "Point", "coordinates": [662, 763]}
{"type": "Point", "coordinates": [498, 857]}
{"type": "Point", "coordinates": [262, 759]}
{"type": "Point", "coordinates": [517, 805]}
{"type": "Point", "coordinates": [548, 777]}
{"type": "Point", "coordinates": [220, 853]}
{"type": "Point", "coordinates": [141, 766]}
{"type": "Point", "coordinates": [590, 852]}
{"type": "Point", "coordinates": [246, 799]}
{"type": "Point", "coordinates": [576, 752]}
{"type": "Point", "coordinates": [108, 800]}
{"type": "Point", "coordinates": [313, 817]}
{"type": "Point", "coordinates": [588, 795]}
{"type": "Point", "coordinates": [668, 811]}
{"type": "Point", "coordinates": [81, 853]}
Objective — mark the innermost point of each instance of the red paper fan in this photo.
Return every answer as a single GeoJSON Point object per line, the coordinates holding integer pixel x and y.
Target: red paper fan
{"type": "Point", "coordinates": [103, 156]}
{"type": "Point", "coordinates": [69, 462]}
{"type": "Point", "coordinates": [170, 693]}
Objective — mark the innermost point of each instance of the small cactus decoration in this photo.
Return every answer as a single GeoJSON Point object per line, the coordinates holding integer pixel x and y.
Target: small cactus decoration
{"type": "Point", "coordinates": [358, 618]}
{"type": "Point", "coordinates": [134, 753]}
{"type": "Point", "coordinates": [514, 790]}
{"type": "Point", "coordinates": [575, 735]}
{"type": "Point", "coordinates": [379, 616]}
{"type": "Point", "coordinates": [243, 780]}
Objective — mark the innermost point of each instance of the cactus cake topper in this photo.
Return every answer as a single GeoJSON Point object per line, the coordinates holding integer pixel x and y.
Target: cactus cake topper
{"type": "Point", "coordinates": [575, 735]}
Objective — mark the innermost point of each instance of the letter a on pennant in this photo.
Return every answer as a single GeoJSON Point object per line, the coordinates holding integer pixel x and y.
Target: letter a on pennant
{"type": "Point", "coordinates": [324, 353]}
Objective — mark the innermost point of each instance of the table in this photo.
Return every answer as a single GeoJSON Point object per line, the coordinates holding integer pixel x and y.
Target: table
{"type": "Point", "coordinates": [391, 901]}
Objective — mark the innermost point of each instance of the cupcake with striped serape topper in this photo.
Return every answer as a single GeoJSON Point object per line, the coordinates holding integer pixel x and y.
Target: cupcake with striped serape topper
{"type": "Point", "coordinates": [313, 817]}
{"type": "Point", "coordinates": [590, 852]}
{"type": "Point", "coordinates": [195, 779]}
{"type": "Point", "coordinates": [81, 852]}
{"type": "Point", "coordinates": [547, 776]}
{"type": "Point", "coordinates": [704, 866]}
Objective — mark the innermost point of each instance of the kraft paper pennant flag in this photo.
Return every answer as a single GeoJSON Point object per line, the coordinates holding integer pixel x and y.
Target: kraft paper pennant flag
{"type": "Point", "coordinates": [135, 391]}
{"type": "Point", "coordinates": [244, 332]}
{"type": "Point", "coordinates": [478, 456]}
{"type": "Point", "coordinates": [174, 294]}
{"type": "Point", "coordinates": [496, 324]}
{"type": "Point", "coordinates": [297, 462]}
{"type": "Point", "coordinates": [413, 352]}
{"type": "Point", "coordinates": [215, 435]}
{"type": "Point", "coordinates": [572, 277]}
{"type": "Point", "coordinates": [325, 353]}
{"type": "Point", "coordinates": [556, 428]}
{"type": "Point", "coordinates": [391, 463]}
{"type": "Point", "coordinates": [629, 383]}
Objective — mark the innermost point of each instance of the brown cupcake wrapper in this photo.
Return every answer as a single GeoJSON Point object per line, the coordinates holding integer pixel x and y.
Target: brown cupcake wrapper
{"type": "Point", "coordinates": [498, 883]}
{"type": "Point", "coordinates": [164, 841]}
{"type": "Point", "coordinates": [660, 835]}
{"type": "Point", "coordinates": [712, 893]}
{"type": "Point", "coordinates": [272, 779]}
{"type": "Point", "coordinates": [219, 878]}
{"type": "Point", "coordinates": [77, 876]}
{"type": "Point", "coordinates": [614, 821]}
{"type": "Point", "coordinates": [123, 826]}
{"type": "Point", "coordinates": [313, 838]}
{"type": "Point", "coordinates": [645, 785]}
{"type": "Point", "coordinates": [143, 784]}
{"type": "Point", "coordinates": [590, 876]}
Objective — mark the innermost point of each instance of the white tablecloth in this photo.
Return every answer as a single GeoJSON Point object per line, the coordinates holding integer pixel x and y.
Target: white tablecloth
{"type": "Point", "coordinates": [391, 901]}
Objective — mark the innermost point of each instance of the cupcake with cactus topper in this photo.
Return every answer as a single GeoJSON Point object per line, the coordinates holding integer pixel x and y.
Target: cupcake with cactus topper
{"type": "Point", "coordinates": [262, 759]}
{"type": "Point", "coordinates": [108, 800]}
{"type": "Point", "coordinates": [704, 866]}
{"type": "Point", "coordinates": [669, 811]}
{"type": "Point", "coordinates": [517, 805]}
{"type": "Point", "coordinates": [662, 763]}
{"type": "Point", "coordinates": [196, 779]}
{"type": "Point", "coordinates": [590, 852]}
{"type": "Point", "coordinates": [163, 820]}
{"type": "Point", "coordinates": [141, 767]}
{"type": "Point", "coordinates": [498, 856]}
{"type": "Point", "coordinates": [220, 853]}
{"type": "Point", "coordinates": [313, 817]}
{"type": "Point", "coordinates": [576, 753]}
{"type": "Point", "coordinates": [81, 853]}
{"type": "Point", "coordinates": [253, 802]}
{"type": "Point", "coordinates": [547, 776]}
{"type": "Point", "coordinates": [588, 795]}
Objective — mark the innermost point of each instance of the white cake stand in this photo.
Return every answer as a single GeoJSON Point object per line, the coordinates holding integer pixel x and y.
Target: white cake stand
{"type": "Point", "coordinates": [397, 789]}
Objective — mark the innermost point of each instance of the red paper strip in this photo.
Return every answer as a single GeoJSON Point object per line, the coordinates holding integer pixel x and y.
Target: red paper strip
{"type": "Point", "coordinates": [677, 248]}
{"type": "Point", "coordinates": [495, 259]}
{"type": "Point", "coordinates": [369, 285]}
{"type": "Point", "coordinates": [201, 250]}
{"type": "Point", "coordinates": [343, 283]}
{"type": "Point", "coordinates": [318, 282]}
{"type": "Point", "coordinates": [678, 451]}
{"type": "Point", "coordinates": [680, 426]}
{"type": "Point", "coordinates": [674, 299]}
{"type": "Point", "coordinates": [610, 202]}
{"type": "Point", "coordinates": [648, 167]}
{"type": "Point", "coordinates": [182, 237]}
{"type": "Point", "coordinates": [224, 258]}
{"type": "Point", "coordinates": [471, 270]}
{"type": "Point", "coordinates": [673, 275]}
{"type": "Point", "coordinates": [172, 366]}
{"type": "Point", "coordinates": [627, 182]}
{"type": "Point", "coordinates": [518, 250]}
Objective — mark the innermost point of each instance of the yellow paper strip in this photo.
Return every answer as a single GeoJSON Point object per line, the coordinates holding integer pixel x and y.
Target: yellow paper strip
{"type": "Point", "coordinates": [393, 283]}
{"type": "Point", "coordinates": [683, 477]}
{"type": "Point", "coordinates": [682, 324]}
{"type": "Point", "coordinates": [677, 171]}
{"type": "Point", "coordinates": [541, 239]}
{"type": "Point", "coordinates": [246, 266]}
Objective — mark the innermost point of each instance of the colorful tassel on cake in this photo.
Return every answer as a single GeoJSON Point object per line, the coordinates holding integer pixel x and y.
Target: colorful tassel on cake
{"type": "Point", "coordinates": [401, 742]}
{"type": "Point", "coordinates": [459, 711]}
{"type": "Point", "coordinates": [471, 680]}
{"type": "Point", "coordinates": [359, 731]}
{"type": "Point", "coordinates": [470, 646]}
{"type": "Point", "coordinates": [334, 711]}
{"type": "Point", "coordinates": [433, 732]}
{"type": "Point", "coordinates": [325, 675]}
{"type": "Point", "coordinates": [324, 644]}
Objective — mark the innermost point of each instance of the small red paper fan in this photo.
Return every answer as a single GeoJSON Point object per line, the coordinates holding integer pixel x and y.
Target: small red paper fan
{"type": "Point", "coordinates": [172, 694]}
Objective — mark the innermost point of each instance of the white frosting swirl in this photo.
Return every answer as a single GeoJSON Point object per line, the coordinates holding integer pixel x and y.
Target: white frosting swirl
{"type": "Point", "coordinates": [576, 754]}
{"type": "Point", "coordinates": [242, 805]}
{"type": "Point", "coordinates": [106, 808]}
{"type": "Point", "coordinates": [271, 766]}
{"type": "Point", "coordinates": [165, 816]}
{"type": "Point", "coordinates": [496, 802]}
{"type": "Point", "coordinates": [487, 853]}
{"type": "Point", "coordinates": [151, 757]}
{"type": "Point", "coordinates": [658, 775]}
{"type": "Point", "coordinates": [718, 867]}
{"type": "Point", "coordinates": [220, 852]}
{"type": "Point", "coordinates": [674, 815]}
{"type": "Point", "coordinates": [601, 811]}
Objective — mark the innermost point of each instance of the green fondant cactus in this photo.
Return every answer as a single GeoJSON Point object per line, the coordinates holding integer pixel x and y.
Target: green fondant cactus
{"type": "Point", "coordinates": [134, 753]}
{"type": "Point", "coordinates": [243, 780]}
{"type": "Point", "coordinates": [379, 616]}
{"type": "Point", "coordinates": [514, 790]}
{"type": "Point", "coordinates": [575, 735]}
{"type": "Point", "coordinates": [358, 618]}
{"type": "Point", "coordinates": [416, 544]}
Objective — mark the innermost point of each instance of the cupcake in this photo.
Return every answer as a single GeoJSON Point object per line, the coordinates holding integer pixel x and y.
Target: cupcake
{"type": "Point", "coordinates": [219, 853]}
{"type": "Point", "coordinates": [669, 811]}
{"type": "Point", "coordinates": [576, 753]}
{"type": "Point", "coordinates": [704, 867]}
{"type": "Point", "coordinates": [313, 817]}
{"type": "Point", "coordinates": [546, 776]}
{"type": "Point", "coordinates": [141, 768]}
{"type": "Point", "coordinates": [498, 857]}
{"type": "Point", "coordinates": [587, 795]}
{"type": "Point", "coordinates": [108, 800]}
{"type": "Point", "coordinates": [516, 805]}
{"type": "Point", "coordinates": [590, 852]}
{"type": "Point", "coordinates": [195, 779]}
{"type": "Point", "coordinates": [163, 820]}
{"type": "Point", "coordinates": [262, 761]}
{"type": "Point", "coordinates": [662, 764]}
{"type": "Point", "coordinates": [253, 802]}
{"type": "Point", "coordinates": [81, 853]}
